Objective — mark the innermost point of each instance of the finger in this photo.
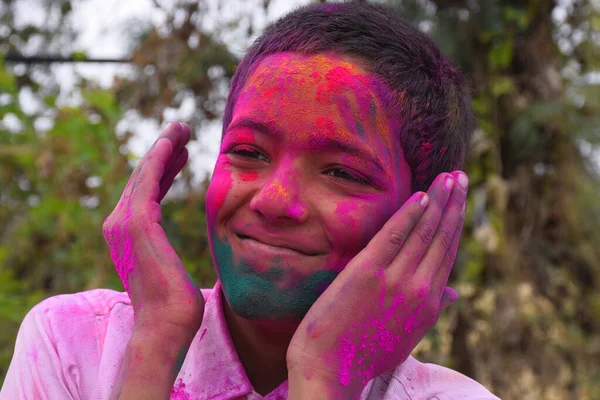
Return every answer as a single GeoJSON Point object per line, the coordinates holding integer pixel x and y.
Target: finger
{"type": "Point", "coordinates": [171, 133]}
{"type": "Point", "coordinates": [169, 177]}
{"type": "Point", "coordinates": [422, 234]}
{"type": "Point", "coordinates": [443, 274]}
{"type": "Point", "coordinates": [179, 138]}
{"type": "Point", "coordinates": [442, 240]}
{"type": "Point", "coordinates": [449, 296]}
{"type": "Point", "coordinates": [385, 245]}
{"type": "Point", "coordinates": [147, 184]}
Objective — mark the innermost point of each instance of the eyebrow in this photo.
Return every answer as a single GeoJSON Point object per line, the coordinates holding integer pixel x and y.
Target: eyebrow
{"type": "Point", "coordinates": [330, 143]}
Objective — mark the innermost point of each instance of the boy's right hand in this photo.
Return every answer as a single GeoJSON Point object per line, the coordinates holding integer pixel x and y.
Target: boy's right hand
{"type": "Point", "coordinates": [162, 293]}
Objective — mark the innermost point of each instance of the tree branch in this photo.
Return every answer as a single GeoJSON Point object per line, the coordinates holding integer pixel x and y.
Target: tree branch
{"type": "Point", "coordinates": [18, 58]}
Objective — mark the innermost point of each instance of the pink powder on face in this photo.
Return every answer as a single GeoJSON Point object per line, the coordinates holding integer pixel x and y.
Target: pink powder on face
{"type": "Point", "coordinates": [218, 194]}
{"type": "Point", "coordinates": [297, 209]}
{"type": "Point", "coordinates": [338, 80]}
{"type": "Point", "coordinates": [345, 210]}
{"type": "Point", "coordinates": [248, 176]}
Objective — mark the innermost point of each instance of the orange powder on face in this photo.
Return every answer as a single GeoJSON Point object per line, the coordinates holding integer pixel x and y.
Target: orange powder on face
{"type": "Point", "coordinates": [277, 190]}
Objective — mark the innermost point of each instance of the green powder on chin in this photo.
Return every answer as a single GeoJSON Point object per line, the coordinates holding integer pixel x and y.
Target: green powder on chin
{"type": "Point", "coordinates": [256, 295]}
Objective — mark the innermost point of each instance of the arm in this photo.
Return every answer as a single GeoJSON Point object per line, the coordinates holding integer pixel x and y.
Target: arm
{"type": "Point", "coordinates": [305, 384]}
{"type": "Point", "coordinates": [35, 371]}
{"type": "Point", "coordinates": [167, 306]}
{"type": "Point", "coordinates": [151, 364]}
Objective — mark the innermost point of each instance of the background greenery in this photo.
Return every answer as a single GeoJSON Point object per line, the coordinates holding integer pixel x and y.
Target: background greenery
{"type": "Point", "coordinates": [527, 324]}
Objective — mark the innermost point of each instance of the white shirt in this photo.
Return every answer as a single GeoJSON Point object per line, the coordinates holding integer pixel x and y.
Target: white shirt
{"type": "Point", "coordinates": [70, 347]}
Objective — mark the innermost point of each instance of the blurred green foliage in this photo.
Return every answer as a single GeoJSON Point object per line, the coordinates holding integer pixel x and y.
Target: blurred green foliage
{"type": "Point", "coordinates": [527, 324]}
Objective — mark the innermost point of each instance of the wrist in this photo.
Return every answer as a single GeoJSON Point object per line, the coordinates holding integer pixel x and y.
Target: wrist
{"type": "Point", "coordinates": [151, 364]}
{"type": "Point", "coordinates": [308, 384]}
{"type": "Point", "coordinates": [154, 328]}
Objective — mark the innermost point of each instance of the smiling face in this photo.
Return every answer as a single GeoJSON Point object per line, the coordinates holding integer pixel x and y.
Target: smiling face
{"type": "Point", "coordinates": [308, 172]}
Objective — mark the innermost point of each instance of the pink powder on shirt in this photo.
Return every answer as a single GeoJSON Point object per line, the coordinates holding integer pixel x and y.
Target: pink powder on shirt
{"type": "Point", "coordinates": [179, 392]}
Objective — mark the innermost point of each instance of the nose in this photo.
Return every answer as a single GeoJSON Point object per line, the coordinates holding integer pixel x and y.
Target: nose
{"type": "Point", "coordinates": [279, 200]}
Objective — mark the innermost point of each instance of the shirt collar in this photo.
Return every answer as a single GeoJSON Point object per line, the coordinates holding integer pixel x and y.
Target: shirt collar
{"type": "Point", "coordinates": [212, 368]}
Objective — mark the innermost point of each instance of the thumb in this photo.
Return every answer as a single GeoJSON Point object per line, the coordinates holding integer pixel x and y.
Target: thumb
{"type": "Point", "coordinates": [449, 296]}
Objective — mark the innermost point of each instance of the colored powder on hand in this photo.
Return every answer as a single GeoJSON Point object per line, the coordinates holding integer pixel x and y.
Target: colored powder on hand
{"type": "Point", "coordinates": [124, 262]}
{"type": "Point", "coordinates": [346, 353]}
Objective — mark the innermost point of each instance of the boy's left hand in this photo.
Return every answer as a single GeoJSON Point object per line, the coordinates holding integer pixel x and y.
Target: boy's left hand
{"type": "Point", "coordinates": [387, 298]}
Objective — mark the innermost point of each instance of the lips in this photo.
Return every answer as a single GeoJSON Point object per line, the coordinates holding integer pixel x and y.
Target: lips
{"type": "Point", "coordinates": [276, 243]}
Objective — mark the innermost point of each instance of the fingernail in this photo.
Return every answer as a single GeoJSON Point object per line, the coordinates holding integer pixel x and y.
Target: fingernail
{"type": "Point", "coordinates": [424, 200]}
{"type": "Point", "coordinates": [463, 180]}
{"type": "Point", "coordinates": [449, 184]}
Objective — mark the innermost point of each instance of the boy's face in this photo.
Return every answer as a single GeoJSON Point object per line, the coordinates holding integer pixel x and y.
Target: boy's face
{"type": "Point", "coordinates": [309, 170]}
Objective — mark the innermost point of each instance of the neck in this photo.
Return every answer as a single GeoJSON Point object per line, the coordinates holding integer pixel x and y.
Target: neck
{"type": "Point", "coordinates": [262, 348]}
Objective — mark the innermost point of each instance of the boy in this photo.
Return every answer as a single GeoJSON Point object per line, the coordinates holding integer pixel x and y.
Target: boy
{"type": "Point", "coordinates": [332, 261]}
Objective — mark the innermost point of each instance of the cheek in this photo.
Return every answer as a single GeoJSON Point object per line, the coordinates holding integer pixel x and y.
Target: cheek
{"type": "Point", "coordinates": [219, 188]}
{"type": "Point", "coordinates": [353, 224]}
{"type": "Point", "coordinates": [349, 227]}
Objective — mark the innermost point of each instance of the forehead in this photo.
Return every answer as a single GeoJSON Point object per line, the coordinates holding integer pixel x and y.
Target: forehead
{"type": "Point", "coordinates": [322, 78]}
{"type": "Point", "coordinates": [334, 89]}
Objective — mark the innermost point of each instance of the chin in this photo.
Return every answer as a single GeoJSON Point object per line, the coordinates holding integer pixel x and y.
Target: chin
{"type": "Point", "coordinates": [262, 290]}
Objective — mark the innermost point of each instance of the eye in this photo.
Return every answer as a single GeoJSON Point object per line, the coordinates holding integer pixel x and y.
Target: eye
{"type": "Point", "coordinates": [248, 153]}
{"type": "Point", "coordinates": [343, 174]}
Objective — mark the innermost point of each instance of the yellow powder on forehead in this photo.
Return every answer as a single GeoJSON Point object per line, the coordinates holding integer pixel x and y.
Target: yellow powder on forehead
{"type": "Point", "coordinates": [297, 64]}
{"type": "Point", "coordinates": [294, 77]}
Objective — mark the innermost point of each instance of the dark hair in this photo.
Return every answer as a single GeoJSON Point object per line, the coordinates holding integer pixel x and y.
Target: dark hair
{"type": "Point", "coordinates": [429, 94]}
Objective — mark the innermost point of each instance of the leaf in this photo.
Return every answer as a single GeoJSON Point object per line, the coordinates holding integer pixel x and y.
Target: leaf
{"type": "Point", "coordinates": [502, 85]}
{"type": "Point", "coordinates": [79, 56]}
{"type": "Point", "coordinates": [7, 82]}
{"type": "Point", "coordinates": [501, 54]}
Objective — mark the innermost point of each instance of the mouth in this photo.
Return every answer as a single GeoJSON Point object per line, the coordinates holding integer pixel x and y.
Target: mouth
{"type": "Point", "coordinates": [261, 247]}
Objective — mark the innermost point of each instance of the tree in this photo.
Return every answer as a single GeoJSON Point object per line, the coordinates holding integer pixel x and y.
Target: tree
{"type": "Point", "coordinates": [527, 322]}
